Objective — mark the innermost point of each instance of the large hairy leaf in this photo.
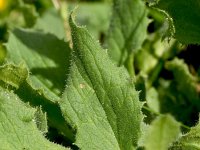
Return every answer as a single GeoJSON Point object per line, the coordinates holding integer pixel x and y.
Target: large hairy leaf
{"type": "Point", "coordinates": [128, 29]}
{"type": "Point", "coordinates": [18, 128]}
{"type": "Point", "coordinates": [185, 15]}
{"type": "Point", "coordinates": [162, 132]}
{"type": "Point", "coordinates": [100, 100]}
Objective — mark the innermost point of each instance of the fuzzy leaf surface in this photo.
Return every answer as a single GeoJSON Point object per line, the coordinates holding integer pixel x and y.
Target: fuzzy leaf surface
{"type": "Point", "coordinates": [18, 129]}
{"type": "Point", "coordinates": [100, 101]}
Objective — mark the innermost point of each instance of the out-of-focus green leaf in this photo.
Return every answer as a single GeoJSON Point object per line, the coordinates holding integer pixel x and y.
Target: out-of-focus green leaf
{"type": "Point", "coordinates": [51, 22]}
{"type": "Point", "coordinates": [185, 15]}
{"type": "Point", "coordinates": [128, 29]}
{"type": "Point", "coordinates": [185, 82]}
{"type": "Point", "coordinates": [189, 141]}
{"type": "Point", "coordinates": [153, 100]}
{"type": "Point", "coordinates": [30, 14]}
{"type": "Point", "coordinates": [46, 56]}
{"type": "Point", "coordinates": [162, 132]}
{"type": "Point", "coordinates": [18, 129]}
{"type": "Point", "coordinates": [95, 16]}
{"type": "Point", "coordinates": [100, 101]}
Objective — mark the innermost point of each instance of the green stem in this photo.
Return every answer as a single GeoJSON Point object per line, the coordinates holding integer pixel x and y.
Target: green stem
{"type": "Point", "coordinates": [129, 64]}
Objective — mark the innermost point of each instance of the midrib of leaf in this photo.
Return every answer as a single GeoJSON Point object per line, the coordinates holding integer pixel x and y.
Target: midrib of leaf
{"type": "Point", "coordinates": [99, 100]}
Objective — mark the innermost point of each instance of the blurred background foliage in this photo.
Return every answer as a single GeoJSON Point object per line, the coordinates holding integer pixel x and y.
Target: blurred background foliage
{"type": "Point", "coordinates": [166, 72]}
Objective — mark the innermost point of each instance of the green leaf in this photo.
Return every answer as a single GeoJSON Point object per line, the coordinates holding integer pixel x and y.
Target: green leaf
{"type": "Point", "coordinates": [100, 100]}
{"type": "Point", "coordinates": [185, 15]}
{"type": "Point", "coordinates": [186, 83]}
{"type": "Point", "coordinates": [189, 141]}
{"type": "Point", "coordinates": [46, 57]}
{"type": "Point", "coordinates": [41, 120]}
{"type": "Point", "coordinates": [18, 129]}
{"type": "Point", "coordinates": [128, 29]}
{"type": "Point", "coordinates": [51, 22]}
{"type": "Point", "coordinates": [13, 75]}
{"type": "Point", "coordinates": [153, 100]}
{"type": "Point", "coordinates": [163, 131]}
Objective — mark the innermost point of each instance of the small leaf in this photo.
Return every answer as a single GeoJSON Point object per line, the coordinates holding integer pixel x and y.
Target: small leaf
{"type": "Point", "coordinates": [128, 29]}
{"type": "Point", "coordinates": [13, 75]}
{"type": "Point", "coordinates": [41, 120]}
{"type": "Point", "coordinates": [189, 141]}
{"type": "Point", "coordinates": [185, 15]}
{"type": "Point", "coordinates": [17, 125]}
{"type": "Point", "coordinates": [162, 132]}
{"type": "Point", "coordinates": [100, 100]}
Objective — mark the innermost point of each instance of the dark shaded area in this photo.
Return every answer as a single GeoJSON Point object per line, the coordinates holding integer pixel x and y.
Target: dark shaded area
{"type": "Point", "coordinates": [172, 101]}
{"type": "Point", "coordinates": [191, 56]}
{"type": "Point", "coordinates": [166, 74]}
{"type": "Point", "coordinates": [53, 136]}
{"type": "Point", "coordinates": [3, 33]}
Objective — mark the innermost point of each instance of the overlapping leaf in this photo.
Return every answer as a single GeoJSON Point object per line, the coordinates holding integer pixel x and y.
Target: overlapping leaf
{"type": "Point", "coordinates": [46, 57]}
{"type": "Point", "coordinates": [100, 101]}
